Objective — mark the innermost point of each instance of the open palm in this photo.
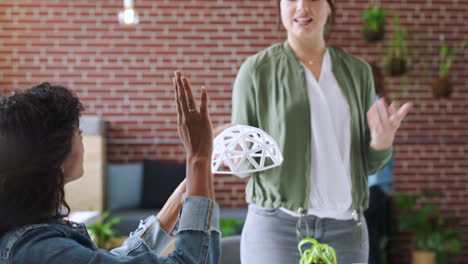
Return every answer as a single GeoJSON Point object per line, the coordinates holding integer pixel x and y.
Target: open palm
{"type": "Point", "coordinates": [194, 124]}
{"type": "Point", "coordinates": [384, 121]}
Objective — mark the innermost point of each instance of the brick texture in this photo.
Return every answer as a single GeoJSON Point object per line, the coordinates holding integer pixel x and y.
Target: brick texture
{"type": "Point", "coordinates": [124, 74]}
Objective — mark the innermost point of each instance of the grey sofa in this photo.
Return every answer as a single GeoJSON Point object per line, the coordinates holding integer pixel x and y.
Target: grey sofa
{"type": "Point", "coordinates": [230, 250]}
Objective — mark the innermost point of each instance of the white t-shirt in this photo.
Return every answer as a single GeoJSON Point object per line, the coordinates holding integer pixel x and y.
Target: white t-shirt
{"type": "Point", "coordinates": [330, 184]}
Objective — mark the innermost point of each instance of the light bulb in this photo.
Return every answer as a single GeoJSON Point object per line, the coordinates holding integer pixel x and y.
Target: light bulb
{"type": "Point", "coordinates": [128, 17]}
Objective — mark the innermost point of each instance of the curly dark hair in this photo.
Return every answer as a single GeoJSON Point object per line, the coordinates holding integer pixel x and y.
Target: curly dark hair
{"type": "Point", "coordinates": [37, 127]}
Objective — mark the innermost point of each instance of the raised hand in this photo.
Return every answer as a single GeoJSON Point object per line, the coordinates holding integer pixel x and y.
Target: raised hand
{"type": "Point", "coordinates": [384, 122]}
{"type": "Point", "coordinates": [196, 133]}
{"type": "Point", "coordinates": [194, 124]}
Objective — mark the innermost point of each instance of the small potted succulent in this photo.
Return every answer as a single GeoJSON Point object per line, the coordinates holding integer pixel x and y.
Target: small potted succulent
{"type": "Point", "coordinates": [441, 86]}
{"type": "Point", "coordinates": [373, 28]}
{"type": "Point", "coordinates": [396, 63]}
{"type": "Point", "coordinates": [434, 235]}
{"type": "Point", "coordinates": [317, 253]}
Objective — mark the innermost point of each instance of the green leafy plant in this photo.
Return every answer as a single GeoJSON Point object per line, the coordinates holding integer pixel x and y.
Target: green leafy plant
{"type": "Point", "coordinates": [104, 230]}
{"type": "Point", "coordinates": [230, 226]}
{"type": "Point", "coordinates": [317, 253]}
{"type": "Point", "coordinates": [374, 18]}
{"type": "Point", "coordinates": [447, 55]}
{"type": "Point", "coordinates": [432, 230]}
{"type": "Point", "coordinates": [374, 23]}
{"type": "Point", "coordinates": [398, 51]}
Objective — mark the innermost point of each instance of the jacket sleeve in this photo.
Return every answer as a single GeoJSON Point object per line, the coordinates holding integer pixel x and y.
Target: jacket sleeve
{"type": "Point", "coordinates": [243, 96]}
{"type": "Point", "coordinates": [151, 234]}
{"type": "Point", "coordinates": [376, 159]}
{"type": "Point", "coordinates": [197, 242]}
{"type": "Point", "coordinates": [244, 104]}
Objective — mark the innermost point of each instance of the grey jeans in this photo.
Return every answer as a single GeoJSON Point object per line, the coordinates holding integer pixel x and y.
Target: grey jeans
{"type": "Point", "coordinates": [269, 237]}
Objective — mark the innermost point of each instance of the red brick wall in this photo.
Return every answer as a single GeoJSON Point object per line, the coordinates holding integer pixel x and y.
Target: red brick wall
{"type": "Point", "coordinates": [124, 74]}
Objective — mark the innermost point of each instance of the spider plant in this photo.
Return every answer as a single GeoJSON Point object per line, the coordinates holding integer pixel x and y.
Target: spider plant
{"type": "Point", "coordinates": [317, 253]}
{"type": "Point", "coordinates": [442, 86]}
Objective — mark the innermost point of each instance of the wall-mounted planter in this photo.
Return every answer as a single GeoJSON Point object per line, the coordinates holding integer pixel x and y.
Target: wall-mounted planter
{"type": "Point", "coordinates": [441, 87]}
{"type": "Point", "coordinates": [372, 36]}
{"type": "Point", "coordinates": [396, 66]}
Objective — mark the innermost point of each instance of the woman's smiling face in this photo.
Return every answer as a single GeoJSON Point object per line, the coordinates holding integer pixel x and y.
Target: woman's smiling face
{"type": "Point", "coordinates": [305, 19]}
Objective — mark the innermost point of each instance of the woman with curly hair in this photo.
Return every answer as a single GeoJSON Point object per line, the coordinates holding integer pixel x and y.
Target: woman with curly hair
{"type": "Point", "coordinates": [41, 150]}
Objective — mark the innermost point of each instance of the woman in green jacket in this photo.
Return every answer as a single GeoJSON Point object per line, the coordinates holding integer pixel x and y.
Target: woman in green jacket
{"type": "Point", "coordinates": [318, 103]}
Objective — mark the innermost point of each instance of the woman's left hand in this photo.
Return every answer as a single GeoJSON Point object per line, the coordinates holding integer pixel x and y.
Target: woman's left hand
{"type": "Point", "coordinates": [194, 123]}
{"type": "Point", "coordinates": [384, 121]}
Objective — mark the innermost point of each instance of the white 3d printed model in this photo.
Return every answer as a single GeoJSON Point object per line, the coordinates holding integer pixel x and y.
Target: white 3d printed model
{"type": "Point", "coordinates": [240, 145]}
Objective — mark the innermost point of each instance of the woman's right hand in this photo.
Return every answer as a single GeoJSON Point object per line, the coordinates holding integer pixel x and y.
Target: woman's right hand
{"type": "Point", "coordinates": [195, 131]}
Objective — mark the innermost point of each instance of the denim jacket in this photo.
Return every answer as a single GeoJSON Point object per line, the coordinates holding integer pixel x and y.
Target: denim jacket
{"type": "Point", "coordinates": [58, 242]}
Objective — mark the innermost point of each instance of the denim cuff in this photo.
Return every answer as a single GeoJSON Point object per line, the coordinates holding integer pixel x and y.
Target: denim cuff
{"type": "Point", "coordinates": [148, 236]}
{"type": "Point", "coordinates": [199, 214]}
{"type": "Point", "coordinates": [154, 237]}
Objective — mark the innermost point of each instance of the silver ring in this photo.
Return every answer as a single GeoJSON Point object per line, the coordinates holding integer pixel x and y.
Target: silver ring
{"type": "Point", "coordinates": [191, 110]}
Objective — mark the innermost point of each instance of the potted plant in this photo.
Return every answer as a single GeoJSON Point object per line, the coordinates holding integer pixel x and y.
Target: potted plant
{"type": "Point", "coordinates": [317, 253]}
{"type": "Point", "coordinates": [103, 233]}
{"type": "Point", "coordinates": [433, 235]}
{"type": "Point", "coordinates": [441, 86]}
{"type": "Point", "coordinates": [374, 24]}
{"type": "Point", "coordinates": [396, 63]}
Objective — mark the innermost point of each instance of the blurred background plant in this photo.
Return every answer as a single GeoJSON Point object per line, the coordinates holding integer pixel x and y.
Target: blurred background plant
{"type": "Point", "coordinates": [103, 233]}
{"type": "Point", "coordinates": [447, 55]}
{"type": "Point", "coordinates": [442, 86]}
{"type": "Point", "coordinates": [374, 23]}
{"type": "Point", "coordinates": [433, 232]}
{"type": "Point", "coordinates": [230, 226]}
{"type": "Point", "coordinates": [397, 58]}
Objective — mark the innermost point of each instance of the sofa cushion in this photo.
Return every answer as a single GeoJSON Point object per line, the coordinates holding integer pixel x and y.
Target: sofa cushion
{"type": "Point", "coordinates": [230, 250]}
{"type": "Point", "coordinates": [160, 179]}
{"type": "Point", "coordinates": [124, 184]}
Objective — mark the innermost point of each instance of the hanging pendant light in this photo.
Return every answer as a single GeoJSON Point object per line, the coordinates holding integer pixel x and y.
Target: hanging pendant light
{"type": "Point", "coordinates": [128, 16]}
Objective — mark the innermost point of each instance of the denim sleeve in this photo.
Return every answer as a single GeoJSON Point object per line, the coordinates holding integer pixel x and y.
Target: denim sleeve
{"type": "Point", "coordinates": [150, 234]}
{"type": "Point", "coordinates": [198, 242]}
{"type": "Point", "coordinates": [197, 214]}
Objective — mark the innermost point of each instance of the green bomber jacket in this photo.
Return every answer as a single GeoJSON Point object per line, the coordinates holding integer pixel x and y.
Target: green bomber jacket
{"type": "Point", "coordinates": [270, 92]}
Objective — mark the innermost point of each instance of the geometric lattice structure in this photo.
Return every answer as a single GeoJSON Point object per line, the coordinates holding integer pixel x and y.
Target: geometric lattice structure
{"type": "Point", "coordinates": [243, 149]}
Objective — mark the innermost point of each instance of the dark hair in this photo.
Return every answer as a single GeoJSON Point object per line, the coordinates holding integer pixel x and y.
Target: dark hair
{"type": "Point", "coordinates": [329, 24]}
{"type": "Point", "coordinates": [37, 127]}
{"type": "Point", "coordinates": [330, 20]}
